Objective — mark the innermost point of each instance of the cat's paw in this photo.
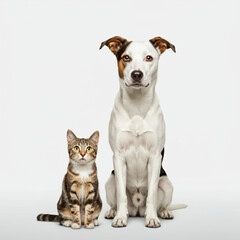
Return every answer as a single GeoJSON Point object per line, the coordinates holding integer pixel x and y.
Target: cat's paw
{"type": "Point", "coordinates": [76, 225]}
{"type": "Point", "coordinates": [96, 222]}
{"type": "Point", "coordinates": [89, 225]}
{"type": "Point", "coordinates": [66, 223]}
{"type": "Point", "coordinates": [110, 214]}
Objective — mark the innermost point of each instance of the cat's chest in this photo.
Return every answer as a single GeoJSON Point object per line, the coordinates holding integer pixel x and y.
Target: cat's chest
{"type": "Point", "coordinates": [84, 189]}
{"type": "Point", "coordinates": [81, 193]}
{"type": "Point", "coordinates": [83, 171]}
{"type": "Point", "coordinates": [82, 183]}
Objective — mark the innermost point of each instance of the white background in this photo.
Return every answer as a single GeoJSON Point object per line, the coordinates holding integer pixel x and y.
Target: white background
{"type": "Point", "coordinates": [54, 78]}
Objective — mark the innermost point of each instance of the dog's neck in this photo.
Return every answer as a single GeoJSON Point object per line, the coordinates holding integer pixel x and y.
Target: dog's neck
{"type": "Point", "coordinates": [137, 101]}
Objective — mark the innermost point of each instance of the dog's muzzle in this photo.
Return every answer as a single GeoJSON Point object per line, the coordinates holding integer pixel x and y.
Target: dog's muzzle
{"type": "Point", "coordinates": [137, 76]}
{"type": "Point", "coordinates": [136, 80]}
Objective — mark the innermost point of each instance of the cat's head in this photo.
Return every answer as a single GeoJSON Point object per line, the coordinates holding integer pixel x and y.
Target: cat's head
{"type": "Point", "coordinates": [82, 150]}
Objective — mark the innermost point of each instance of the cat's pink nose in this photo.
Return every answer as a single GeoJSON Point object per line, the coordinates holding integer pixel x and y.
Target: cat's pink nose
{"type": "Point", "coordinates": [83, 153]}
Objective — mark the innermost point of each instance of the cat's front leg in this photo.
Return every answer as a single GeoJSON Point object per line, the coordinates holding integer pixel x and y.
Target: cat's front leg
{"type": "Point", "coordinates": [88, 220]}
{"type": "Point", "coordinates": [75, 208]}
{"type": "Point", "coordinates": [89, 205]}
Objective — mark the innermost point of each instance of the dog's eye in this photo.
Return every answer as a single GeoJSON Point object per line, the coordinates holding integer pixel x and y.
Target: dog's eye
{"type": "Point", "coordinates": [126, 58]}
{"type": "Point", "coordinates": [149, 58]}
{"type": "Point", "coordinates": [76, 148]}
{"type": "Point", "coordinates": [89, 148]}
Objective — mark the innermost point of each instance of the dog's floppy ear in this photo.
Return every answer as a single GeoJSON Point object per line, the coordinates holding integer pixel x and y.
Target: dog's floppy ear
{"type": "Point", "coordinates": [114, 43]}
{"type": "Point", "coordinates": [161, 44]}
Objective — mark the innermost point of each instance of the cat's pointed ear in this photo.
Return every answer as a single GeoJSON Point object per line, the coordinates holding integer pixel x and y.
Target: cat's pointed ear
{"type": "Point", "coordinates": [95, 137]}
{"type": "Point", "coordinates": [161, 44]}
{"type": "Point", "coordinates": [114, 44]}
{"type": "Point", "coordinates": [70, 136]}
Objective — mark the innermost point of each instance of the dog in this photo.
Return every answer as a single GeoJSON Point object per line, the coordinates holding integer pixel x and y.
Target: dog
{"type": "Point", "coordinates": [138, 185]}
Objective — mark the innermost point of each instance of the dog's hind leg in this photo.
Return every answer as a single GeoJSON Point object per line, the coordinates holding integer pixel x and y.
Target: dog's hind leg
{"type": "Point", "coordinates": [165, 192]}
{"type": "Point", "coordinates": [111, 198]}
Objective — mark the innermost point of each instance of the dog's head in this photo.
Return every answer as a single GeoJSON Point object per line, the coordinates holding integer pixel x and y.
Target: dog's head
{"type": "Point", "coordinates": [137, 61]}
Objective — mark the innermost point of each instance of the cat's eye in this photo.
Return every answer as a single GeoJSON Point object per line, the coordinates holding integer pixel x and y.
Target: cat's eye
{"type": "Point", "coordinates": [148, 58]}
{"type": "Point", "coordinates": [76, 148]}
{"type": "Point", "coordinates": [126, 58]}
{"type": "Point", "coordinates": [89, 148]}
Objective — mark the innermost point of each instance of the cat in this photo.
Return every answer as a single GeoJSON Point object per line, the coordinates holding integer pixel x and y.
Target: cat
{"type": "Point", "coordinates": [80, 201]}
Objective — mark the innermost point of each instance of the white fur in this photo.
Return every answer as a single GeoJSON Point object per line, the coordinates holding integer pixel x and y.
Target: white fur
{"type": "Point", "coordinates": [90, 226]}
{"type": "Point", "coordinates": [96, 222]}
{"type": "Point", "coordinates": [67, 223]}
{"type": "Point", "coordinates": [137, 137]}
{"type": "Point", "coordinates": [83, 170]}
{"type": "Point", "coordinates": [75, 225]}
{"type": "Point", "coordinates": [138, 52]}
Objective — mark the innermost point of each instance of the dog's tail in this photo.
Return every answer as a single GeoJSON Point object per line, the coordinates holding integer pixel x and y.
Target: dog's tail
{"type": "Point", "coordinates": [176, 206]}
{"type": "Point", "coordinates": [48, 218]}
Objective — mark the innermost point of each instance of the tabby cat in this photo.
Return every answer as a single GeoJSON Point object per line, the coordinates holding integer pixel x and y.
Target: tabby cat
{"type": "Point", "coordinates": [80, 201]}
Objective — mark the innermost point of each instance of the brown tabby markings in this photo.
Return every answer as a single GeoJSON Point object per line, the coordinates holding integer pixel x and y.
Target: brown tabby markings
{"type": "Point", "coordinates": [80, 201]}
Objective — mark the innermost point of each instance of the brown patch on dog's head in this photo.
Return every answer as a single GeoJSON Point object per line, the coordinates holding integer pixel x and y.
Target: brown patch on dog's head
{"type": "Point", "coordinates": [122, 64]}
{"type": "Point", "coordinates": [118, 46]}
{"type": "Point", "coordinates": [161, 44]}
{"type": "Point", "coordinates": [121, 67]}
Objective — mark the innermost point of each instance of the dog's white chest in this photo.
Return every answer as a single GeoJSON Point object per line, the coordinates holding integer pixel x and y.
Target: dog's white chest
{"type": "Point", "coordinates": [137, 126]}
{"type": "Point", "coordinates": [136, 135]}
{"type": "Point", "coordinates": [136, 141]}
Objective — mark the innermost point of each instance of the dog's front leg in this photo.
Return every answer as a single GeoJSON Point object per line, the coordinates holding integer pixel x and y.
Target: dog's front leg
{"type": "Point", "coordinates": [120, 220]}
{"type": "Point", "coordinates": [154, 165]}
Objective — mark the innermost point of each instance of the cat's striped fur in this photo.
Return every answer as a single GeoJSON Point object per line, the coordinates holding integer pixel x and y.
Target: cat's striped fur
{"type": "Point", "coordinates": [80, 201]}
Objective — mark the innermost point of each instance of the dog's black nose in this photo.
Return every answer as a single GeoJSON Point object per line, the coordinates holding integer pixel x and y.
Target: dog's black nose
{"type": "Point", "coordinates": [137, 75]}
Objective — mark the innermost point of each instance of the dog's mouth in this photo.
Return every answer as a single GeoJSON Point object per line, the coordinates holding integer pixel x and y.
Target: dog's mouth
{"type": "Point", "coordinates": [136, 85]}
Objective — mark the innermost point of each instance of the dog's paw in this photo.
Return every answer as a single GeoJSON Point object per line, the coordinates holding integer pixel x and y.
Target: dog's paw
{"type": "Point", "coordinates": [120, 221]}
{"type": "Point", "coordinates": [110, 214]}
{"type": "Point", "coordinates": [152, 222]}
{"type": "Point", "coordinates": [75, 225]}
{"type": "Point", "coordinates": [166, 214]}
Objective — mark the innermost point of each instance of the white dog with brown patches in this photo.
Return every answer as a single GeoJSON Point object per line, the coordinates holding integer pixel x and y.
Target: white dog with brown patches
{"type": "Point", "coordinates": [138, 185]}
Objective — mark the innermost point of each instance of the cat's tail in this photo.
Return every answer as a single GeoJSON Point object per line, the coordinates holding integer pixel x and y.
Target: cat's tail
{"type": "Point", "coordinates": [176, 206]}
{"type": "Point", "coordinates": [48, 218]}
